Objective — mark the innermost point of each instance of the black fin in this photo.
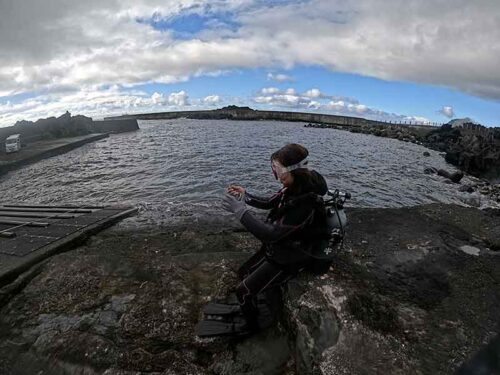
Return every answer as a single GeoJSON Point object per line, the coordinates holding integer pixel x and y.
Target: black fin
{"type": "Point", "coordinates": [231, 299]}
{"type": "Point", "coordinates": [213, 328]}
{"type": "Point", "coordinates": [221, 309]}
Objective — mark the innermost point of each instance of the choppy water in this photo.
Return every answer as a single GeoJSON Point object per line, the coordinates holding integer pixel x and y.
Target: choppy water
{"type": "Point", "coordinates": [179, 169]}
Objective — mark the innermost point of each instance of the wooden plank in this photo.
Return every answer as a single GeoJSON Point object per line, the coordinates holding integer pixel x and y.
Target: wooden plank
{"type": "Point", "coordinates": [37, 215]}
{"type": "Point", "coordinates": [47, 206]}
{"type": "Point", "coordinates": [27, 223]}
{"type": "Point", "coordinates": [44, 210]}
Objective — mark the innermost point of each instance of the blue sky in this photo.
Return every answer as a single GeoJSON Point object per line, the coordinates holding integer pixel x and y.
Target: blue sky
{"type": "Point", "coordinates": [423, 62]}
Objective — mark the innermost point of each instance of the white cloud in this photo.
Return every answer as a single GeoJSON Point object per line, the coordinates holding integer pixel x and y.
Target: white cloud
{"type": "Point", "coordinates": [454, 43]}
{"type": "Point", "coordinates": [289, 99]}
{"type": "Point", "coordinates": [447, 111]}
{"type": "Point", "coordinates": [91, 101]}
{"type": "Point", "coordinates": [270, 90]}
{"type": "Point", "coordinates": [313, 93]}
{"type": "Point", "coordinates": [179, 99]}
{"type": "Point", "coordinates": [280, 77]}
{"type": "Point", "coordinates": [313, 105]}
{"type": "Point", "coordinates": [212, 99]}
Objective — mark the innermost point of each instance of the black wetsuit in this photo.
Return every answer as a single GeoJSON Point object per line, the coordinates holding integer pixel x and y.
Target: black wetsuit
{"type": "Point", "coordinates": [282, 254]}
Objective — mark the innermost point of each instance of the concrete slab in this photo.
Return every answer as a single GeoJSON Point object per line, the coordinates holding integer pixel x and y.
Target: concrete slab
{"type": "Point", "coordinates": [31, 245]}
{"type": "Point", "coordinates": [43, 149]}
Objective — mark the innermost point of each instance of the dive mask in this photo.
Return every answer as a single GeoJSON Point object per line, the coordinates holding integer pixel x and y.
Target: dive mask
{"type": "Point", "coordinates": [279, 170]}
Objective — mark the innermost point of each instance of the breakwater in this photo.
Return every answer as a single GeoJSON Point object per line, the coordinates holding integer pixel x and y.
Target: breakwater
{"type": "Point", "coordinates": [62, 127]}
{"type": "Point", "coordinates": [44, 149]}
{"type": "Point", "coordinates": [248, 114]}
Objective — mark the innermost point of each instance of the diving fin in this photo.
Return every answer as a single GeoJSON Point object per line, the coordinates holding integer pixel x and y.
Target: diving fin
{"type": "Point", "coordinates": [231, 299]}
{"type": "Point", "coordinates": [213, 328]}
{"type": "Point", "coordinates": [221, 309]}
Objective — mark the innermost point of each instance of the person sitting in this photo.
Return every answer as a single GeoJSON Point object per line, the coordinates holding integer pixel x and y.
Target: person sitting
{"type": "Point", "coordinates": [289, 232]}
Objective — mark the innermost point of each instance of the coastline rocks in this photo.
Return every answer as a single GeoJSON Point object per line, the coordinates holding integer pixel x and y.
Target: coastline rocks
{"type": "Point", "coordinates": [473, 149]}
{"type": "Point", "coordinates": [453, 177]}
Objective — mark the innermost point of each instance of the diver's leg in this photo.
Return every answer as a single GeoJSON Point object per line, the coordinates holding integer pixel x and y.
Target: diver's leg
{"type": "Point", "coordinates": [252, 263]}
{"type": "Point", "coordinates": [262, 277]}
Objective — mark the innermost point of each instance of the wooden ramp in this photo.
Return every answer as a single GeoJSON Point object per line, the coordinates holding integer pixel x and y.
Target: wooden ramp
{"type": "Point", "coordinates": [31, 233]}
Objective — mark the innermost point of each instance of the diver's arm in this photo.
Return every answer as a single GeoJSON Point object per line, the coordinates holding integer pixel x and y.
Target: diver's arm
{"type": "Point", "coordinates": [261, 202]}
{"type": "Point", "coordinates": [266, 232]}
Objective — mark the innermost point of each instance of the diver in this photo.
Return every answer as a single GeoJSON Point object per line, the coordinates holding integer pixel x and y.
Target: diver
{"type": "Point", "coordinates": [292, 229]}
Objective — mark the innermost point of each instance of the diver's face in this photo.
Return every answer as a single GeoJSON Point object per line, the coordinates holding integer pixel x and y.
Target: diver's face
{"type": "Point", "coordinates": [286, 179]}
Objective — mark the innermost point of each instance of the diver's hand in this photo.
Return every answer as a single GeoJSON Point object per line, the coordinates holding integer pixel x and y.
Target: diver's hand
{"type": "Point", "coordinates": [237, 191]}
{"type": "Point", "coordinates": [232, 204]}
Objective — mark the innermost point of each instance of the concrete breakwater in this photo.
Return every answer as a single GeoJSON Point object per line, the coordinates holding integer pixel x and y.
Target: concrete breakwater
{"type": "Point", "coordinates": [63, 127]}
{"type": "Point", "coordinates": [43, 149]}
{"type": "Point", "coordinates": [248, 114]}
{"type": "Point", "coordinates": [53, 136]}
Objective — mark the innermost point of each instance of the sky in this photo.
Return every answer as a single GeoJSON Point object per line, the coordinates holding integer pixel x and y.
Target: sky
{"type": "Point", "coordinates": [392, 60]}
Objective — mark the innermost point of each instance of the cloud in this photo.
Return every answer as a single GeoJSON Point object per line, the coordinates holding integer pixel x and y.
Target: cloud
{"type": "Point", "coordinates": [270, 90]}
{"type": "Point", "coordinates": [447, 111]}
{"type": "Point", "coordinates": [91, 101]}
{"type": "Point", "coordinates": [212, 100]}
{"type": "Point", "coordinates": [313, 93]}
{"type": "Point", "coordinates": [315, 100]}
{"type": "Point", "coordinates": [279, 77]}
{"type": "Point", "coordinates": [179, 99]}
{"type": "Point", "coordinates": [451, 43]}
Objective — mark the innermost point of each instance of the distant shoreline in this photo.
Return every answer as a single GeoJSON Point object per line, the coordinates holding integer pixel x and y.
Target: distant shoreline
{"type": "Point", "coordinates": [248, 114]}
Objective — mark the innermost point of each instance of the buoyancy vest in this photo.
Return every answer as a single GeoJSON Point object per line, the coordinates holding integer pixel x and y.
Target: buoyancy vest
{"type": "Point", "coordinates": [317, 229]}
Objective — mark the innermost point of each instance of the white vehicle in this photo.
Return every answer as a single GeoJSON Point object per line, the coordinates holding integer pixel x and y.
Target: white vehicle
{"type": "Point", "coordinates": [13, 143]}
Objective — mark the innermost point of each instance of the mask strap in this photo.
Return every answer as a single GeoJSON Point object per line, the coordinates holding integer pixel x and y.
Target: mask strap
{"type": "Point", "coordinates": [299, 165]}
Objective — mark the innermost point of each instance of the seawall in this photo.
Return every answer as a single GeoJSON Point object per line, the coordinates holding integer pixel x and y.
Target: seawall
{"type": "Point", "coordinates": [44, 149]}
{"type": "Point", "coordinates": [62, 127]}
{"type": "Point", "coordinates": [255, 115]}
{"type": "Point", "coordinates": [115, 126]}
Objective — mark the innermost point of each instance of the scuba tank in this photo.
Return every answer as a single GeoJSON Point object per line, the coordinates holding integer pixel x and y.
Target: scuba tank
{"type": "Point", "coordinates": [324, 249]}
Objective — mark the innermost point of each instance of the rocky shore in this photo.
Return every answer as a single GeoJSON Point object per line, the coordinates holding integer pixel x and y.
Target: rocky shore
{"type": "Point", "coordinates": [473, 148]}
{"type": "Point", "coordinates": [415, 291]}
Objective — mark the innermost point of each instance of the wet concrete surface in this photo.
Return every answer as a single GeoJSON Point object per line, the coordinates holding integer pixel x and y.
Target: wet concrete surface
{"type": "Point", "coordinates": [402, 298]}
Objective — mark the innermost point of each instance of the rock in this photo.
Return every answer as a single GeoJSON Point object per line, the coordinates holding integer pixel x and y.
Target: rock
{"type": "Point", "coordinates": [467, 188]}
{"type": "Point", "coordinates": [426, 153]}
{"type": "Point", "coordinates": [314, 323]}
{"type": "Point", "coordinates": [405, 298]}
{"type": "Point", "coordinates": [474, 149]}
{"type": "Point", "coordinates": [453, 177]}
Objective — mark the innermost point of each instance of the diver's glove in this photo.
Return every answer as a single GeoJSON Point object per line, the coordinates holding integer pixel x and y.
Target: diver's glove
{"type": "Point", "coordinates": [232, 204]}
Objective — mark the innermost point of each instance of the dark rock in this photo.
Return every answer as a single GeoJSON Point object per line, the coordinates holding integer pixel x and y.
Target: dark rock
{"type": "Point", "coordinates": [467, 188]}
{"type": "Point", "coordinates": [453, 177]}
{"type": "Point", "coordinates": [426, 153]}
{"type": "Point", "coordinates": [472, 148]}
